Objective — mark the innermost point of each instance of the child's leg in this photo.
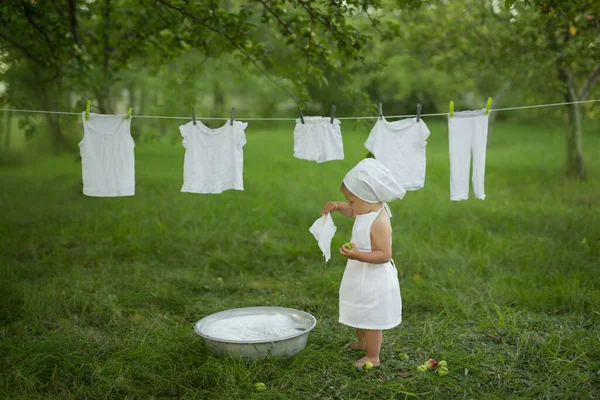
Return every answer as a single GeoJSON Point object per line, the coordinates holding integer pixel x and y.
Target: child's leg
{"type": "Point", "coordinates": [360, 341]}
{"type": "Point", "coordinates": [373, 341]}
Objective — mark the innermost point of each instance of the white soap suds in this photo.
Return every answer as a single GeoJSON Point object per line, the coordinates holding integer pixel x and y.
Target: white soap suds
{"type": "Point", "coordinates": [252, 327]}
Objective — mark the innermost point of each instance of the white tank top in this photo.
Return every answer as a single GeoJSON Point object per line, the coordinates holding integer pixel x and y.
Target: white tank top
{"type": "Point", "coordinates": [107, 158]}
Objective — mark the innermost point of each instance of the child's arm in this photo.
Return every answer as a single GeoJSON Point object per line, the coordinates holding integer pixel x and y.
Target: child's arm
{"type": "Point", "coordinates": [343, 208]}
{"type": "Point", "coordinates": [381, 246]}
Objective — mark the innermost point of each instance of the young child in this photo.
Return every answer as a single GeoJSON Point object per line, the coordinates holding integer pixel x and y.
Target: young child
{"type": "Point", "coordinates": [369, 293]}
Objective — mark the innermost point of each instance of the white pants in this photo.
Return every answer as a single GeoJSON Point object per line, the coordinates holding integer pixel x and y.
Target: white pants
{"type": "Point", "coordinates": [467, 133]}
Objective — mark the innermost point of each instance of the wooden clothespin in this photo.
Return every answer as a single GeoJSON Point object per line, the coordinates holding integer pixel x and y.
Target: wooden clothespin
{"type": "Point", "coordinates": [332, 113]}
{"type": "Point", "coordinates": [232, 115]}
{"type": "Point", "coordinates": [87, 110]}
{"type": "Point", "coordinates": [419, 108]}
{"type": "Point", "coordinates": [489, 105]}
{"type": "Point", "coordinates": [380, 111]}
{"type": "Point", "coordinates": [301, 115]}
{"type": "Point", "coordinates": [129, 113]}
{"type": "Point", "coordinates": [194, 115]}
{"type": "Point", "coordinates": [451, 109]}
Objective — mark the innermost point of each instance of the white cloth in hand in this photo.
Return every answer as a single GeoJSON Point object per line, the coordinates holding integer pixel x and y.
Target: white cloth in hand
{"type": "Point", "coordinates": [323, 230]}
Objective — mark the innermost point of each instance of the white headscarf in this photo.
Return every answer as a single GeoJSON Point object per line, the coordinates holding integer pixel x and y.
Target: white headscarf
{"type": "Point", "coordinates": [372, 182]}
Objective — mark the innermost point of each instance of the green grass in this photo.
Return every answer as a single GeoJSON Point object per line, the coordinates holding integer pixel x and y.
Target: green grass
{"type": "Point", "coordinates": [99, 296]}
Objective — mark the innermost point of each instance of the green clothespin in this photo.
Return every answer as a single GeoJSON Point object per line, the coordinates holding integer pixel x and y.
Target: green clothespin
{"type": "Point", "coordinates": [489, 105]}
{"type": "Point", "coordinates": [451, 108]}
{"type": "Point", "coordinates": [87, 110]}
{"type": "Point", "coordinates": [129, 113]}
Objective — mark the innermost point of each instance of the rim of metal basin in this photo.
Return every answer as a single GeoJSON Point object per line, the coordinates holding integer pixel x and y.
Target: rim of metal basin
{"type": "Point", "coordinates": [249, 309]}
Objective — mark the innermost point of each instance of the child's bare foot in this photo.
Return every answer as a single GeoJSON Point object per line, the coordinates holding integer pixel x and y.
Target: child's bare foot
{"type": "Point", "coordinates": [356, 345]}
{"type": "Point", "coordinates": [361, 363]}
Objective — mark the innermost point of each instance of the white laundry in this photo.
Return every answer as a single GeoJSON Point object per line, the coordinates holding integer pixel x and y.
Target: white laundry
{"type": "Point", "coordinates": [323, 230]}
{"type": "Point", "coordinates": [400, 146]}
{"type": "Point", "coordinates": [249, 328]}
{"type": "Point", "coordinates": [467, 133]}
{"type": "Point", "coordinates": [369, 293]}
{"type": "Point", "coordinates": [317, 139]}
{"type": "Point", "coordinates": [214, 158]}
{"type": "Point", "coordinates": [107, 157]}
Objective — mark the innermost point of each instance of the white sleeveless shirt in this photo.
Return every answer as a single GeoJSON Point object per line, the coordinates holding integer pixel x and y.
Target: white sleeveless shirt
{"type": "Point", "coordinates": [369, 293]}
{"type": "Point", "coordinates": [107, 159]}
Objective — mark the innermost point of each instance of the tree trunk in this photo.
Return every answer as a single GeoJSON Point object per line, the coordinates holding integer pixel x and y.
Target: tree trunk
{"type": "Point", "coordinates": [49, 99]}
{"type": "Point", "coordinates": [8, 131]}
{"type": "Point", "coordinates": [575, 163]}
{"type": "Point", "coordinates": [142, 102]}
{"type": "Point", "coordinates": [498, 97]}
{"type": "Point", "coordinates": [104, 91]}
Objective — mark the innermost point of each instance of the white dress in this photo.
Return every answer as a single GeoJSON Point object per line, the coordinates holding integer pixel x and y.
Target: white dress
{"type": "Point", "coordinates": [369, 293]}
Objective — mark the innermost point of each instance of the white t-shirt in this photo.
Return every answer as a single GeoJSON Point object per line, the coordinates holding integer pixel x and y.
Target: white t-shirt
{"type": "Point", "coordinates": [107, 159]}
{"type": "Point", "coordinates": [317, 139]}
{"type": "Point", "coordinates": [214, 158]}
{"type": "Point", "coordinates": [400, 146]}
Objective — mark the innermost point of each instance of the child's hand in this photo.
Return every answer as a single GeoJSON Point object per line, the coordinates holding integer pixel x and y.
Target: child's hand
{"type": "Point", "coordinates": [329, 207]}
{"type": "Point", "coordinates": [351, 254]}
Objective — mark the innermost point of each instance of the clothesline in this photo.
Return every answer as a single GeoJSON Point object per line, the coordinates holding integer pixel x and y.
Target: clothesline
{"type": "Point", "coordinates": [294, 119]}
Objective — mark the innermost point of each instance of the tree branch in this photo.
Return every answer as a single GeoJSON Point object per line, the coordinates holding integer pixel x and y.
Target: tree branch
{"type": "Point", "coordinates": [37, 27]}
{"type": "Point", "coordinates": [590, 81]}
{"type": "Point", "coordinates": [25, 50]}
{"type": "Point", "coordinates": [73, 21]}
{"type": "Point", "coordinates": [282, 23]}
{"type": "Point", "coordinates": [231, 40]}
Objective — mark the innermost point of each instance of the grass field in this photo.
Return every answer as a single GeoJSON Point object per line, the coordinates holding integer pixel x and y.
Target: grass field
{"type": "Point", "coordinates": [99, 296]}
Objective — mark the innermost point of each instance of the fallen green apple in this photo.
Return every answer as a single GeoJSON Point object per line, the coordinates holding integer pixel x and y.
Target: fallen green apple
{"type": "Point", "coordinates": [422, 368]}
{"type": "Point", "coordinates": [368, 365]}
{"type": "Point", "coordinates": [442, 364]}
{"type": "Point", "coordinates": [443, 371]}
{"type": "Point", "coordinates": [260, 387]}
{"type": "Point", "coordinates": [403, 357]}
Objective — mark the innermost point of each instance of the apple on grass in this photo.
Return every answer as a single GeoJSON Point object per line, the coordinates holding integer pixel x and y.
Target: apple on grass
{"type": "Point", "coordinates": [431, 363]}
{"type": "Point", "coordinates": [443, 371]}
{"type": "Point", "coordinates": [260, 387]}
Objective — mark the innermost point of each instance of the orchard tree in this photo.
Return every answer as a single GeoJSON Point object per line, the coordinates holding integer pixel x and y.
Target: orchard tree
{"type": "Point", "coordinates": [81, 46]}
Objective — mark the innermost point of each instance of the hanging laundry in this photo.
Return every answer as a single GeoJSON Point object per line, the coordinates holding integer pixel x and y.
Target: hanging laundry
{"type": "Point", "coordinates": [323, 230]}
{"type": "Point", "coordinates": [400, 146]}
{"type": "Point", "coordinates": [317, 139]}
{"type": "Point", "coordinates": [214, 158]}
{"type": "Point", "coordinates": [107, 159]}
{"type": "Point", "coordinates": [467, 133]}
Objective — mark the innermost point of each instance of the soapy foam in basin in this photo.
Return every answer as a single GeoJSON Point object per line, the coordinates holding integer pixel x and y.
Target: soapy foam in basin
{"type": "Point", "coordinates": [252, 327]}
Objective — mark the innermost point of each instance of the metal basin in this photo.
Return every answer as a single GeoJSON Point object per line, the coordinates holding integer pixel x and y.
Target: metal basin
{"type": "Point", "coordinates": [256, 332]}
